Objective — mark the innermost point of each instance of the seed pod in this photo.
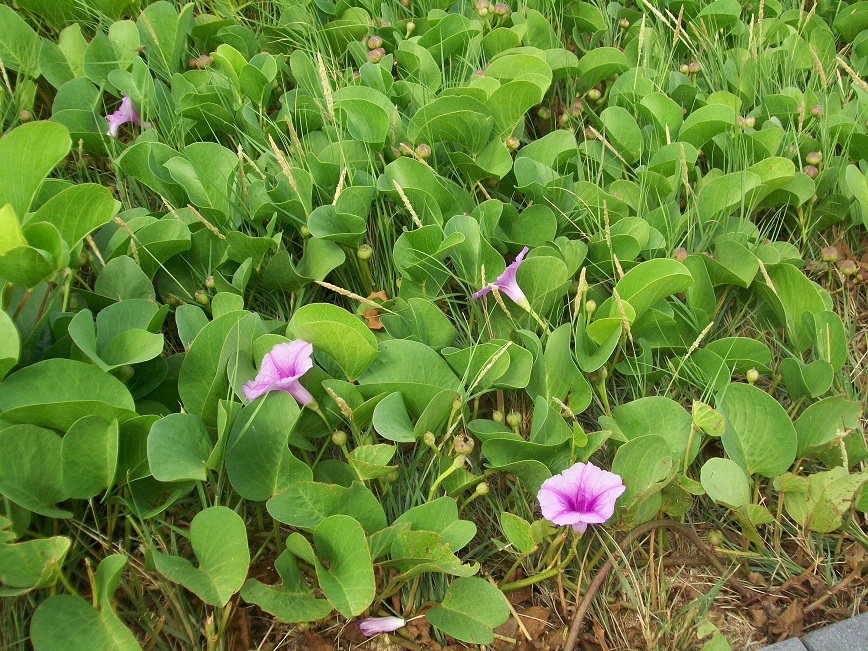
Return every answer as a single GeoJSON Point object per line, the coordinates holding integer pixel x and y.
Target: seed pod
{"type": "Point", "coordinates": [814, 158]}
{"type": "Point", "coordinates": [624, 23]}
{"type": "Point", "coordinates": [209, 282]}
{"type": "Point", "coordinates": [201, 297]}
{"type": "Point", "coordinates": [512, 143]}
{"type": "Point", "coordinates": [848, 267]}
{"type": "Point", "coordinates": [714, 538]}
{"type": "Point", "coordinates": [462, 444]}
{"type": "Point", "coordinates": [513, 418]}
{"type": "Point", "coordinates": [829, 254]}
{"type": "Point", "coordinates": [544, 113]}
{"type": "Point", "coordinates": [693, 67]}
{"type": "Point", "coordinates": [423, 151]}
{"type": "Point", "coordinates": [593, 94]}
{"type": "Point", "coordinates": [811, 170]}
{"type": "Point", "coordinates": [374, 42]}
{"type": "Point", "coordinates": [364, 252]}
{"type": "Point", "coordinates": [497, 416]}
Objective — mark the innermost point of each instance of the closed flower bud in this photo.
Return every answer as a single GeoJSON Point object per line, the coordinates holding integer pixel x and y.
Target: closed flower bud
{"type": "Point", "coordinates": [462, 444]}
{"type": "Point", "coordinates": [125, 373]}
{"type": "Point", "coordinates": [376, 55]}
{"type": "Point", "coordinates": [752, 376]}
{"type": "Point", "coordinates": [816, 110]}
{"type": "Point", "coordinates": [590, 306]}
{"type": "Point", "coordinates": [201, 297]}
{"type": "Point", "coordinates": [482, 488]}
{"type": "Point", "coordinates": [459, 461]}
{"type": "Point", "coordinates": [482, 7]}
{"type": "Point", "coordinates": [680, 254]}
{"type": "Point", "coordinates": [423, 151]}
{"type": "Point", "coordinates": [544, 113]}
{"type": "Point", "coordinates": [305, 231]}
{"type": "Point", "coordinates": [25, 116]}
{"type": "Point", "coordinates": [694, 67]}
{"type": "Point", "coordinates": [374, 42]}
{"type": "Point", "coordinates": [714, 538]}
{"type": "Point", "coordinates": [497, 416]}
{"type": "Point", "coordinates": [392, 477]}
{"type": "Point", "coordinates": [512, 143]}
{"type": "Point", "coordinates": [501, 9]}
{"type": "Point", "coordinates": [830, 254]}
{"type": "Point", "coordinates": [405, 148]}
{"type": "Point", "coordinates": [624, 23]}
{"type": "Point", "coordinates": [811, 170]}
{"type": "Point", "coordinates": [339, 438]}
{"type": "Point", "coordinates": [429, 440]}
{"type": "Point", "coordinates": [513, 419]}
{"type": "Point", "coordinates": [814, 158]}
{"type": "Point", "coordinates": [209, 282]}
{"type": "Point", "coordinates": [684, 69]}
{"type": "Point", "coordinates": [847, 267]}
{"type": "Point", "coordinates": [410, 27]}
{"type": "Point", "coordinates": [364, 252]}
{"type": "Point", "coordinates": [594, 94]}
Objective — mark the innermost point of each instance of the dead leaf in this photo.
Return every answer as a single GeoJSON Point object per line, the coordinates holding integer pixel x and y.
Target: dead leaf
{"type": "Point", "coordinates": [790, 622]}
{"type": "Point", "coordinates": [312, 642]}
{"type": "Point", "coordinates": [371, 314]}
{"type": "Point", "coordinates": [239, 630]}
{"type": "Point", "coordinates": [535, 620]}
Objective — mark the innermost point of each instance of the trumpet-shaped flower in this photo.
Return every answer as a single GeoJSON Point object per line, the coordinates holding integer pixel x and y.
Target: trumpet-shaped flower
{"type": "Point", "coordinates": [581, 495]}
{"type": "Point", "coordinates": [374, 625]}
{"type": "Point", "coordinates": [507, 283]}
{"type": "Point", "coordinates": [280, 370]}
{"type": "Point", "coordinates": [126, 112]}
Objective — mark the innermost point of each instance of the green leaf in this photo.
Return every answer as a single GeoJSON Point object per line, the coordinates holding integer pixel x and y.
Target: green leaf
{"type": "Point", "coordinates": [305, 504]}
{"type": "Point", "coordinates": [470, 611]}
{"type": "Point", "coordinates": [644, 464]}
{"type": "Point", "coordinates": [178, 448]}
{"type": "Point", "coordinates": [440, 516]}
{"type": "Point", "coordinates": [10, 343]}
{"type": "Point", "coordinates": [517, 530]}
{"type": "Point", "coordinates": [348, 583]}
{"type": "Point", "coordinates": [202, 380]}
{"type": "Point", "coordinates": [391, 420]}
{"type": "Point", "coordinates": [29, 153]}
{"type": "Point", "coordinates": [77, 211]}
{"type": "Point", "coordinates": [89, 456]}
{"type": "Point", "coordinates": [11, 235]}
{"type": "Point", "coordinates": [650, 281]}
{"type": "Point", "coordinates": [68, 623]}
{"type": "Point", "coordinates": [31, 469]}
{"type": "Point", "coordinates": [258, 461]}
{"type": "Point", "coordinates": [819, 501]}
{"type": "Point", "coordinates": [824, 423]}
{"type": "Point", "coordinates": [342, 336]}
{"type": "Point", "coordinates": [19, 44]}
{"type": "Point", "coordinates": [32, 564]}
{"type": "Point", "coordinates": [292, 600]}
{"type": "Point", "coordinates": [364, 112]}
{"type": "Point", "coordinates": [452, 119]}
{"type": "Point", "coordinates": [661, 416]}
{"type": "Point", "coordinates": [57, 392]}
{"type": "Point", "coordinates": [219, 540]}
{"type": "Point", "coordinates": [725, 482]}
{"type": "Point", "coordinates": [759, 434]}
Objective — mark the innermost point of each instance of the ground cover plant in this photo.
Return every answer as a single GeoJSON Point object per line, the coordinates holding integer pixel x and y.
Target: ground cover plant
{"type": "Point", "coordinates": [431, 323]}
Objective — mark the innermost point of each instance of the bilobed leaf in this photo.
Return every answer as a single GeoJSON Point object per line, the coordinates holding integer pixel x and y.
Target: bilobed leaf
{"type": "Point", "coordinates": [178, 448]}
{"type": "Point", "coordinates": [219, 540]}
{"type": "Point", "coordinates": [89, 457]}
{"type": "Point", "coordinates": [470, 611]}
{"type": "Point", "coordinates": [292, 600]}
{"type": "Point", "coordinates": [31, 469]}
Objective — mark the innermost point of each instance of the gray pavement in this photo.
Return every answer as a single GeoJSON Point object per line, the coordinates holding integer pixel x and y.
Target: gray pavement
{"type": "Point", "coordinates": [849, 635]}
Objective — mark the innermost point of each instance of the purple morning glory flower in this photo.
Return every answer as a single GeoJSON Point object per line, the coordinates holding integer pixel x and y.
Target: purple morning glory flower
{"type": "Point", "coordinates": [280, 370]}
{"type": "Point", "coordinates": [581, 495]}
{"type": "Point", "coordinates": [126, 113]}
{"type": "Point", "coordinates": [507, 284]}
{"type": "Point", "coordinates": [374, 625]}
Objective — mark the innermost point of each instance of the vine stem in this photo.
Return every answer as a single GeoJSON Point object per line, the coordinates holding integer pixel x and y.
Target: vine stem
{"type": "Point", "coordinates": [677, 527]}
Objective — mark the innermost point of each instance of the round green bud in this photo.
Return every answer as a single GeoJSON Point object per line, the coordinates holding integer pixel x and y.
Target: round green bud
{"type": "Point", "coordinates": [830, 254]}
{"type": "Point", "coordinates": [624, 23]}
{"type": "Point", "coordinates": [429, 440]}
{"type": "Point", "coordinates": [513, 418]}
{"type": "Point", "coordinates": [714, 538]}
{"type": "Point", "coordinates": [364, 252]}
{"type": "Point", "coordinates": [814, 158]}
{"type": "Point", "coordinates": [590, 306]}
{"type": "Point", "coordinates": [423, 151]}
{"type": "Point", "coordinates": [684, 69]}
{"type": "Point", "coordinates": [482, 488]}
{"type": "Point", "coordinates": [497, 416]}
{"type": "Point", "coordinates": [544, 113]}
{"type": "Point", "coordinates": [201, 297]}
{"type": "Point", "coordinates": [339, 438]}
{"type": "Point", "coordinates": [512, 143]}
{"type": "Point", "coordinates": [209, 282]}
{"type": "Point", "coordinates": [848, 267]}
{"type": "Point", "coordinates": [594, 94]}
{"type": "Point", "coordinates": [816, 110]}
{"type": "Point", "coordinates": [392, 477]}
{"type": "Point", "coordinates": [305, 231]}
{"type": "Point", "coordinates": [752, 376]}
{"type": "Point", "coordinates": [125, 373]}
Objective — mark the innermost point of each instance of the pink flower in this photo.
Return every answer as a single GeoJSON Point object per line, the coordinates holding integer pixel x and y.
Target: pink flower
{"type": "Point", "coordinates": [126, 113]}
{"type": "Point", "coordinates": [507, 284]}
{"type": "Point", "coordinates": [374, 625]}
{"type": "Point", "coordinates": [581, 495]}
{"type": "Point", "coordinates": [280, 370]}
